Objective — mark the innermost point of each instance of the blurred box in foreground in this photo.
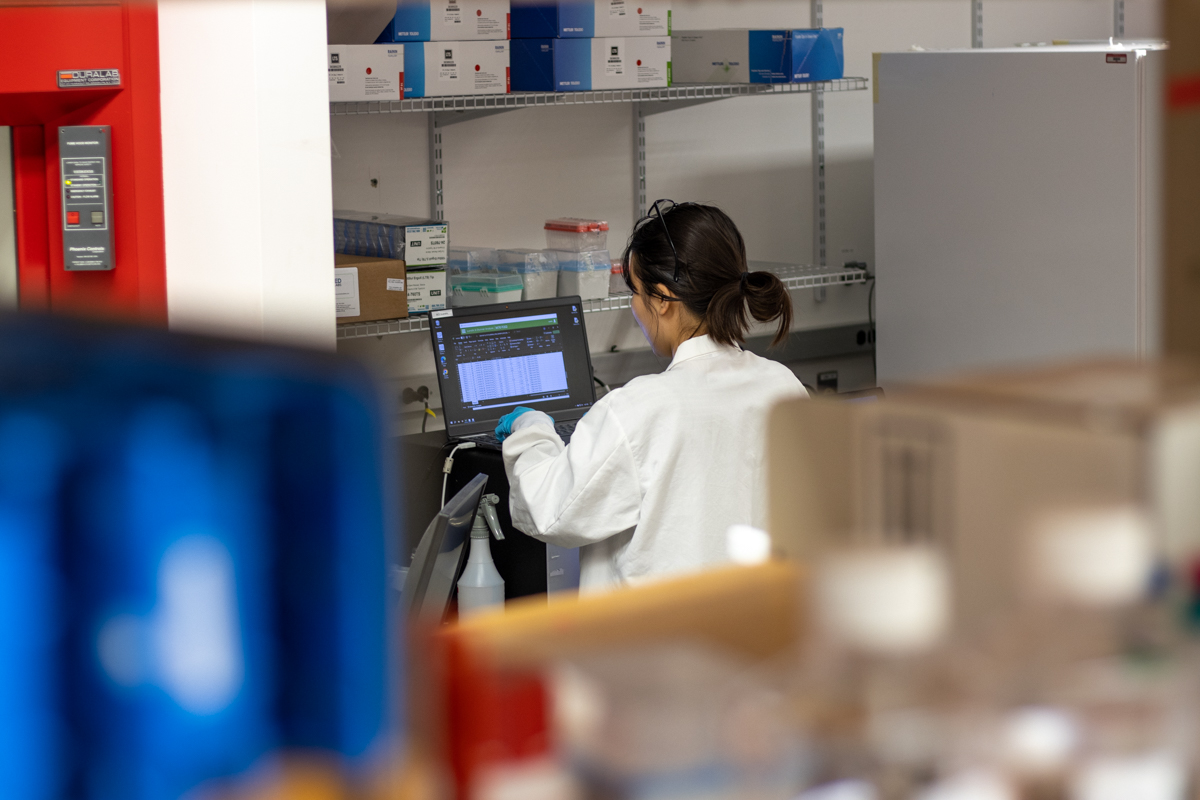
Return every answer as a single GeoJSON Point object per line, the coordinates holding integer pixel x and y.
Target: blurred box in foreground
{"type": "Point", "coordinates": [193, 562]}
{"type": "Point", "coordinates": [971, 464]}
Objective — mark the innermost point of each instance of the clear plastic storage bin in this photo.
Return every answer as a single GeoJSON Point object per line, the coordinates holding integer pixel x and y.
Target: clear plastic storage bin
{"type": "Point", "coordinates": [576, 235]}
{"type": "Point", "coordinates": [538, 270]}
{"type": "Point", "coordinates": [466, 260]}
{"type": "Point", "coordinates": [584, 274]}
{"type": "Point", "coordinates": [479, 289]}
{"type": "Point", "coordinates": [616, 280]}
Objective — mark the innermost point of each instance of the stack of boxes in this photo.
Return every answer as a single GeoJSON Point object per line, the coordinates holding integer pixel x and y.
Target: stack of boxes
{"type": "Point", "coordinates": [451, 47]}
{"type": "Point", "coordinates": [388, 266]}
{"type": "Point", "coordinates": [584, 45]}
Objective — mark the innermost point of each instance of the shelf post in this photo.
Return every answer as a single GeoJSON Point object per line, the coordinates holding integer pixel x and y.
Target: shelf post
{"type": "Point", "coordinates": [818, 154]}
{"type": "Point", "coordinates": [1118, 19]}
{"type": "Point", "coordinates": [639, 163]}
{"type": "Point", "coordinates": [437, 207]}
{"type": "Point", "coordinates": [976, 23]}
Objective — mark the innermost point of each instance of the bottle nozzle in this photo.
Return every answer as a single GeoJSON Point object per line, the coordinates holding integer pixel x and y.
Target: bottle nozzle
{"type": "Point", "coordinates": [487, 519]}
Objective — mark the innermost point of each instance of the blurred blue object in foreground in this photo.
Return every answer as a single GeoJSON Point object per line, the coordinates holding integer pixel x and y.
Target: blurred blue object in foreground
{"type": "Point", "coordinates": [192, 562]}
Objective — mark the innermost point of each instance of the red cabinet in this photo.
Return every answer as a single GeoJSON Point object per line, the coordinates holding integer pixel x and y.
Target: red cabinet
{"type": "Point", "coordinates": [46, 46]}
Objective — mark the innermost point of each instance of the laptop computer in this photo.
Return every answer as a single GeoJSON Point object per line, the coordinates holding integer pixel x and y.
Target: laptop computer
{"type": "Point", "coordinates": [491, 359]}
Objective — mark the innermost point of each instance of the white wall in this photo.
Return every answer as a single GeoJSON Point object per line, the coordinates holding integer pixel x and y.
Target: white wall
{"type": "Point", "coordinates": [246, 169]}
{"type": "Point", "coordinates": [505, 174]}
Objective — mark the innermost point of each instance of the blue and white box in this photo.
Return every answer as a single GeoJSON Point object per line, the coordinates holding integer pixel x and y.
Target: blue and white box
{"type": "Point", "coordinates": [757, 56]}
{"type": "Point", "coordinates": [580, 65]}
{"type": "Point", "coordinates": [439, 69]}
{"type": "Point", "coordinates": [589, 19]}
{"type": "Point", "coordinates": [447, 21]}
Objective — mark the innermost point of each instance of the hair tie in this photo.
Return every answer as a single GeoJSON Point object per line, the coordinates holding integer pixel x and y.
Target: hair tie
{"type": "Point", "coordinates": [742, 281]}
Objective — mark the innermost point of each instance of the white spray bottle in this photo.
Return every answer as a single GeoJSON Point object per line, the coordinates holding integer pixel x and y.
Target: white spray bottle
{"type": "Point", "coordinates": [481, 586]}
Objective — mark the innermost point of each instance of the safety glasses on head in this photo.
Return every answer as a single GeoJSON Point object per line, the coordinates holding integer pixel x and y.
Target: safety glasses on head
{"type": "Point", "coordinates": [660, 213]}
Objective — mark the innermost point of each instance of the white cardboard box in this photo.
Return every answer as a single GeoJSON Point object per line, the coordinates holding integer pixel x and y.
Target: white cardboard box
{"type": "Point", "coordinates": [448, 21]}
{"type": "Point", "coordinates": [633, 62]}
{"type": "Point", "coordinates": [433, 69]}
{"type": "Point", "coordinates": [426, 290]}
{"type": "Point", "coordinates": [365, 72]}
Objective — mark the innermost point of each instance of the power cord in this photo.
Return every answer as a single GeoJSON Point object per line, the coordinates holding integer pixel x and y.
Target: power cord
{"type": "Point", "coordinates": [870, 314]}
{"type": "Point", "coordinates": [871, 328]}
{"type": "Point", "coordinates": [419, 395]}
{"type": "Point", "coordinates": [449, 465]}
{"type": "Point", "coordinates": [602, 385]}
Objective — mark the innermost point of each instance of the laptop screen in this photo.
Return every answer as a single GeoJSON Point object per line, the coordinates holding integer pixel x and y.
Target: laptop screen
{"type": "Point", "coordinates": [492, 359]}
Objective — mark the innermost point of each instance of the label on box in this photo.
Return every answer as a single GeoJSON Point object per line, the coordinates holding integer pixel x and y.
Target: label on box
{"type": "Point", "coordinates": [491, 27]}
{"type": "Point", "coordinates": [614, 64]}
{"type": "Point", "coordinates": [651, 23]}
{"type": "Point", "coordinates": [616, 8]}
{"type": "Point", "coordinates": [395, 284]}
{"type": "Point", "coordinates": [345, 292]}
{"type": "Point", "coordinates": [448, 69]}
{"type": "Point", "coordinates": [452, 14]}
{"type": "Point", "coordinates": [426, 245]}
{"type": "Point", "coordinates": [491, 81]}
{"type": "Point", "coordinates": [426, 291]}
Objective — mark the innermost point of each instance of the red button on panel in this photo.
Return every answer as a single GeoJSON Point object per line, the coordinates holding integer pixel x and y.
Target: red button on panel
{"type": "Point", "coordinates": [72, 217]}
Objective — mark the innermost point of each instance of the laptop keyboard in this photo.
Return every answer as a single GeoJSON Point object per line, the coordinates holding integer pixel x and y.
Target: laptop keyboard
{"type": "Point", "coordinates": [563, 429]}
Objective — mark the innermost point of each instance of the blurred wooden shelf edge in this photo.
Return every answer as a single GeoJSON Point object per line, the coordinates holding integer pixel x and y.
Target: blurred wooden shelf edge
{"type": "Point", "coordinates": [752, 611]}
{"type": "Point", "coordinates": [485, 695]}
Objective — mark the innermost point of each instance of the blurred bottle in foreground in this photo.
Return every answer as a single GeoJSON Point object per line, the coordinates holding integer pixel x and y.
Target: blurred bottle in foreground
{"type": "Point", "coordinates": [192, 541]}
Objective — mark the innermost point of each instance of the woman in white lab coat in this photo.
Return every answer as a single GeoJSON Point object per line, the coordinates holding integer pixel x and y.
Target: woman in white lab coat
{"type": "Point", "coordinates": [658, 469]}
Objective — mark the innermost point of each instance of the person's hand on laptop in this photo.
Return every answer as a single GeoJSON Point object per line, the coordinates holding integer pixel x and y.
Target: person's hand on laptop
{"type": "Point", "coordinates": [505, 428]}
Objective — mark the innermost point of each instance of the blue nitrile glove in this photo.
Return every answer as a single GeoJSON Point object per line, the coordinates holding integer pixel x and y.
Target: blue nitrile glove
{"type": "Point", "coordinates": [504, 429]}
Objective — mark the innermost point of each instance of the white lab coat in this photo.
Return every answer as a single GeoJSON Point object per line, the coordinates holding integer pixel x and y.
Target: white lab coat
{"type": "Point", "coordinates": [656, 471]}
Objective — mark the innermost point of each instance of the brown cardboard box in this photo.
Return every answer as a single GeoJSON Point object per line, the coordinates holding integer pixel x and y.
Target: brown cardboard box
{"type": "Point", "coordinates": [377, 288]}
{"type": "Point", "coordinates": [970, 464]}
{"type": "Point", "coordinates": [1181, 176]}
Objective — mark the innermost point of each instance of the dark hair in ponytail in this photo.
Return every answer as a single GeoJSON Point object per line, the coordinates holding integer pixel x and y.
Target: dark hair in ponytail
{"type": "Point", "coordinates": [714, 281]}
